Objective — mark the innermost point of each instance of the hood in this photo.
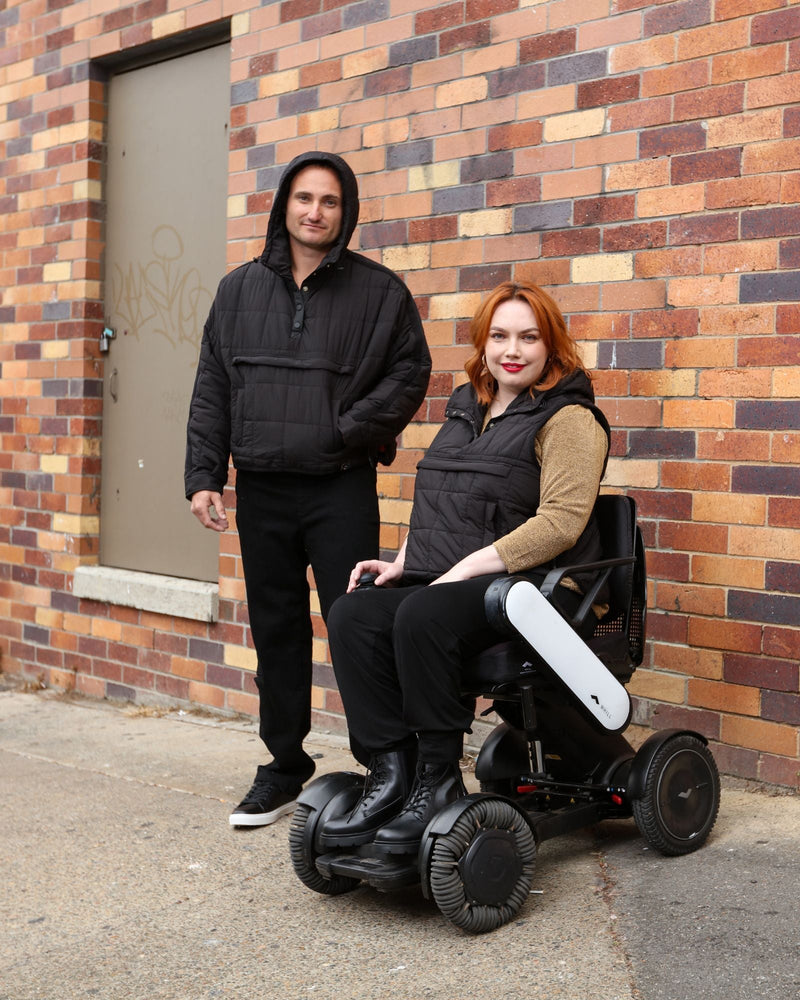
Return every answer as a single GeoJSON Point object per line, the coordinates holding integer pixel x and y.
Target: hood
{"type": "Point", "coordinates": [277, 242]}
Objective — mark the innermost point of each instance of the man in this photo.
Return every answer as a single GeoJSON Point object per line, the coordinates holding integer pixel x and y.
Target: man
{"type": "Point", "coordinates": [313, 360]}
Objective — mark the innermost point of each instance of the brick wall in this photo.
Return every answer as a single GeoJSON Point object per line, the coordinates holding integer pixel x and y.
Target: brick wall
{"type": "Point", "coordinates": [641, 160]}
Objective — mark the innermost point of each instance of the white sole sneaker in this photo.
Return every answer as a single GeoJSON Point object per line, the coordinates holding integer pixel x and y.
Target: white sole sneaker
{"type": "Point", "coordinates": [261, 819]}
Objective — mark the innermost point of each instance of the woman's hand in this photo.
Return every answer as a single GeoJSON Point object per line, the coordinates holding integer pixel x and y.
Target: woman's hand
{"type": "Point", "coordinates": [387, 572]}
{"type": "Point", "coordinates": [479, 563]}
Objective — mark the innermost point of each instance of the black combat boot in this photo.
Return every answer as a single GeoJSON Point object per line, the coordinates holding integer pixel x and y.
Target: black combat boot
{"type": "Point", "coordinates": [386, 788]}
{"type": "Point", "coordinates": [435, 786]}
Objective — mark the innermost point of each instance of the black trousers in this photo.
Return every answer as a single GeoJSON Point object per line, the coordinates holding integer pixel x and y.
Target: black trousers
{"type": "Point", "coordinates": [398, 654]}
{"type": "Point", "coordinates": [287, 522]}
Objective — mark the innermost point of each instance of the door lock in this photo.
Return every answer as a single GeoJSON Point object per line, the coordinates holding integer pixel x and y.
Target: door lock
{"type": "Point", "coordinates": [106, 336]}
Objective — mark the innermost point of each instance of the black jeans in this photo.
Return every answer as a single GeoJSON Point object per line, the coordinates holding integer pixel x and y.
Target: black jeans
{"type": "Point", "coordinates": [287, 522]}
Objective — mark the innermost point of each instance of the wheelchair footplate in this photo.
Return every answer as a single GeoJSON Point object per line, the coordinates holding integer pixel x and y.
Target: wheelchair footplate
{"type": "Point", "coordinates": [382, 872]}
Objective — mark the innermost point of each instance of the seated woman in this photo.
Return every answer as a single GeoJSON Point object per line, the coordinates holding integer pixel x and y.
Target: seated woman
{"type": "Point", "coordinates": [507, 486]}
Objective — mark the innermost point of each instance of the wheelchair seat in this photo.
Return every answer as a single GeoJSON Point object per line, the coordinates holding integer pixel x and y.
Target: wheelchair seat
{"type": "Point", "coordinates": [616, 638]}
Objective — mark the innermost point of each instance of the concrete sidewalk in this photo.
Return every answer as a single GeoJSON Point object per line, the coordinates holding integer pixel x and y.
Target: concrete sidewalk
{"type": "Point", "coordinates": [122, 880]}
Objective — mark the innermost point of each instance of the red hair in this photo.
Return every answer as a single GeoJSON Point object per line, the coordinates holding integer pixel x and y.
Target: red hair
{"type": "Point", "coordinates": [562, 352]}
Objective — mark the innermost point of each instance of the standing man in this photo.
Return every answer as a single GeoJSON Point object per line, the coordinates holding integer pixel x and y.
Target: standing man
{"type": "Point", "coordinates": [313, 360]}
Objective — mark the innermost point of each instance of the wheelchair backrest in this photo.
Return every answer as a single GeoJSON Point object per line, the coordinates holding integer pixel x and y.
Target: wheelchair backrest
{"type": "Point", "coordinates": [621, 538]}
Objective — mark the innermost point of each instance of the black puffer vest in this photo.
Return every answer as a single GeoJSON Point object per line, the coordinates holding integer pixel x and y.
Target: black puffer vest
{"type": "Point", "coordinates": [472, 488]}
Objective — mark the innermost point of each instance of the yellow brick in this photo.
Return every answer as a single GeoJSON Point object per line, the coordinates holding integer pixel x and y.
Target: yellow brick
{"type": "Point", "coordinates": [76, 524]}
{"type": "Point", "coordinates": [631, 472]}
{"type": "Point", "coordinates": [708, 290]}
{"type": "Point", "coordinates": [729, 508]}
{"type": "Point", "coordinates": [395, 511]}
{"type": "Point", "coordinates": [407, 258]}
{"type": "Point", "coordinates": [241, 656]}
{"type": "Point", "coordinates": [386, 133]}
{"type": "Point", "coordinates": [279, 83]}
{"type": "Point", "coordinates": [671, 201]}
{"type": "Point", "coordinates": [474, 88]}
{"type": "Point", "coordinates": [663, 383]}
{"type": "Point", "coordinates": [87, 190]}
{"type": "Point", "coordinates": [765, 543]}
{"type": "Point", "coordinates": [56, 464]}
{"type": "Point", "coordinates": [104, 628]}
{"type": "Point", "coordinates": [419, 435]}
{"type": "Point", "coordinates": [785, 382]}
{"type": "Point", "coordinates": [455, 306]}
{"type": "Point", "coordinates": [59, 271]}
{"type": "Point", "coordinates": [602, 267]}
{"type": "Point", "coordinates": [171, 24]}
{"type": "Point", "coordinates": [362, 63]}
{"type": "Point", "coordinates": [50, 541]}
{"type": "Point", "coordinates": [487, 222]}
{"type": "Point", "coordinates": [237, 206]}
{"type": "Point", "coordinates": [319, 651]}
{"type": "Point", "coordinates": [318, 121]}
{"type": "Point", "coordinates": [661, 687]}
{"type": "Point", "coordinates": [240, 24]}
{"type": "Point", "coordinates": [575, 125]}
{"type": "Point", "coordinates": [434, 175]}
{"type": "Point", "coordinates": [543, 103]}
{"type": "Point", "coordinates": [69, 291]}
{"type": "Point", "coordinates": [55, 349]}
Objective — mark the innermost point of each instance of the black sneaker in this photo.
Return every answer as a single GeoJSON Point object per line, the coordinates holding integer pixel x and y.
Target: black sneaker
{"type": "Point", "coordinates": [264, 803]}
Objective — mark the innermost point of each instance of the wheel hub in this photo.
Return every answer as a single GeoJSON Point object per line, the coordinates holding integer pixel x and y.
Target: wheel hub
{"type": "Point", "coordinates": [490, 867]}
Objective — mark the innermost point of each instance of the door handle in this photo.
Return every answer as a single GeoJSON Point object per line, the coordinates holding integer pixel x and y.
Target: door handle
{"type": "Point", "coordinates": [112, 385]}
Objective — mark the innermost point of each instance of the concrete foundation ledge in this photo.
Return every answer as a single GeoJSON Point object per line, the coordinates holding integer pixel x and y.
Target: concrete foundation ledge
{"type": "Point", "coordinates": [166, 595]}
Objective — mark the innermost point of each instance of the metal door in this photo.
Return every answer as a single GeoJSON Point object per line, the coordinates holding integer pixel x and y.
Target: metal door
{"type": "Point", "coordinates": [165, 252]}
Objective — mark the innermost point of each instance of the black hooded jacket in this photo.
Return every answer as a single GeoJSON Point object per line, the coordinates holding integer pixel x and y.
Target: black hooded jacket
{"type": "Point", "coordinates": [314, 379]}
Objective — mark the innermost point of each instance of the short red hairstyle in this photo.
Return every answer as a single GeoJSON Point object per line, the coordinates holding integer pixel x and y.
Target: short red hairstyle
{"type": "Point", "coordinates": [562, 352]}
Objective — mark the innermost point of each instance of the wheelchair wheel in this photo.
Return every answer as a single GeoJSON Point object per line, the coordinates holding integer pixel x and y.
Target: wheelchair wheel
{"type": "Point", "coordinates": [481, 870]}
{"type": "Point", "coordinates": [680, 801]}
{"type": "Point", "coordinates": [303, 855]}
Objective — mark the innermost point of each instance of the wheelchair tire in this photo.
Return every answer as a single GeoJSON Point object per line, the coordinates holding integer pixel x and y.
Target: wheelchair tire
{"type": "Point", "coordinates": [680, 801]}
{"type": "Point", "coordinates": [301, 851]}
{"type": "Point", "coordinates": [481, 870]}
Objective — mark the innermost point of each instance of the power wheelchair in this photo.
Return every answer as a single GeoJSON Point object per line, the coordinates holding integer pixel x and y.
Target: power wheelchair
{"type": "Point", "coordinates": [557, 761]}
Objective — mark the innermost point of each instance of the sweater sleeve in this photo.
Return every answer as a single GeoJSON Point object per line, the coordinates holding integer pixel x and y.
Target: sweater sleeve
{"type": "Point", "coordinates": [571, 449]}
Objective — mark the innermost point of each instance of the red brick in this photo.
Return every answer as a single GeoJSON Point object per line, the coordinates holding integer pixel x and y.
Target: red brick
{"type": "Point", "coordinates": [439, 17]}
{"type": "Point", "coordinates": [540, 47]}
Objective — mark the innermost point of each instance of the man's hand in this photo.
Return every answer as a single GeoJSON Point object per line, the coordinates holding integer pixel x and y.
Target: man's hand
{"type": "Point", "coordinates": [209, 510]}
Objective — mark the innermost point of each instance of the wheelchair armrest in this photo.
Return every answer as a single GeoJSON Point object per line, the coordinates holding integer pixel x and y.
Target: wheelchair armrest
{"type": "Point", "coordinates": [603, 567]}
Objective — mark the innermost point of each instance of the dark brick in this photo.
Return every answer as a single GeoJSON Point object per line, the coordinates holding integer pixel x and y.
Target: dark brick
{"type": "Point", "coordinates": [791, 122]}
{"type": "Point", "coordinates": [634, 355]}
{"type": "Point", "coordinates": [20, 108]}
{"type": "Point", "coordinates": [439, 17]}
{"type": "Point", "coordinates": [700, 230]}
{"type": "Point", "coordinates": [225, 677]}
{"type": "Point", "coordinates": [584, 66]}
{"type": "Point", "coordinates": [297, 102]}
{"type": "Point", "coordinates": [321, 25]}
{"type": "Point", "coordinates": [671, 140]}
{"type": "Point", "coordinates": [766, 480]}
{"type": "Point", "coordinates": [570, 242]}
{"type": "Point", "coordinates": [211, 652]}
{"type": "Point", "coordinates": [244, 92]}
{"type": "Point", "coordinates": [656, 443]}
{"type": "Point", "coordinates": [469, 36]}
{"type": "Point", "coordinates": [388, 81]}
{"type": "Point", "coordinates": [672, 17]}
{"type": "Point", "coordinates": [516, 80]}
{"type": "Point", "coordinates": [483, 276]}
{"type": "Point", "coordinates": [261, 65]}
{"type": "Point", "coordinates": [590, 211]}
{"type": "Point", "coordinates": [706, 166]}
{"type": "Point", "coordinates": [294, 10]}
{"type": "Point", "coordinates": [542, 47]}
{"type": "Point", "coordinates": [601, 93]}
{"type": "Point", "coordinates": [772, 609]}
{"type": "Point", "coordinates": [118, 19]}
{"type": "Point", "coordinates": [789, 254]}
{"type": "Point", "coordinates": [268, 178]}
{"type": "Point", "coordinates": [481, 168]}
{"type": "Point", "coordinates": [260, 156]}
{"type": "Point", "coordinates": [459, 199]}
{"type": "Point", "coordinates": [767, 223]}
{"type": "Point", "coordinates": [367, 12]}
{"type": "Point", "coordinates": [46, 63]}
{"type": "Point", "coordinates": [430, 230]}
{"type": "Point", "coordinates": [552, 215]}
{"type": "Point", "coordinates": [639, 236]}
{"type": "Point", "coordinates": [409, 154]}
{"type": "Point", "coordinates": [783, 577]}
{"type": "Point", "coordinates": [775, 27]}
{"type": "Point", "coordinates": [783, 286]}
{"type": "Point", "coordinates": [760, 671]}
{"type": "Point", "coordinates": [780, 707]}
{"type": "Point", "coordinates": [413, 51]}
{"type": "Point", "coordinates": [768, 414]}
{"type": "Point", "coordinates": [760, 351]}
{"type": "Point", "coordinates": [120, 692]}
{"type": "Point", "coordinates": [384, 234]}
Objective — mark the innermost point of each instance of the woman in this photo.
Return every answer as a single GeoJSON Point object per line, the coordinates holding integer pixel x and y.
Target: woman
{"type": "Point", "coordinates": [507, 486]}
